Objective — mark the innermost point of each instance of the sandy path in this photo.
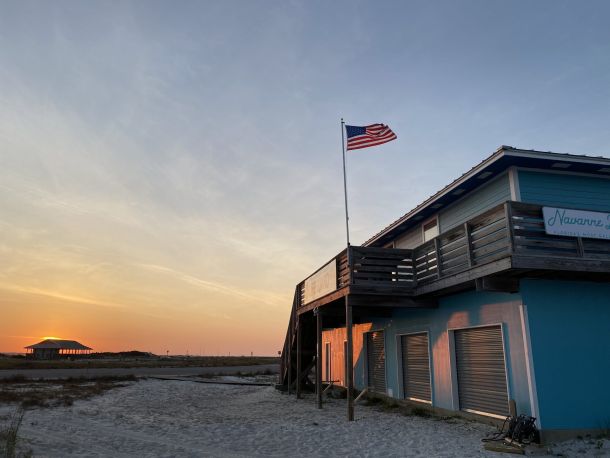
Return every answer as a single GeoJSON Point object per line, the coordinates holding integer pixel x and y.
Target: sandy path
{"type": "Point", "coordinates": [172, 418]}
{"type": "Point", "coordinates": [137, 371]}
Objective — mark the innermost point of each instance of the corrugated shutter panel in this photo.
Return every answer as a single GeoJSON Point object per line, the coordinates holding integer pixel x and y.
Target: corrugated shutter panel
{"type": "Point", "coordinates": [416, 366]}
{"type": "Point", "coordinates": [376, 361]}
{"type": "Point", "coordinates": [480, 370]}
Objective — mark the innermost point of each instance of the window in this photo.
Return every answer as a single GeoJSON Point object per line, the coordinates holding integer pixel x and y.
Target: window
{"type": "Point", "coordinates": [430, 230]}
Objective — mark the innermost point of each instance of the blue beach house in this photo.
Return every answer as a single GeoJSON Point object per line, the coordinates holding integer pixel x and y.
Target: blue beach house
{"type": "Point", "coordinates": [492, 296]}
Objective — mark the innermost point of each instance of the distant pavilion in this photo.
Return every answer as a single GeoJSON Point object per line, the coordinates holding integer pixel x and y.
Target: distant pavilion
{"type": "Point", "coordinates": [55, 348]}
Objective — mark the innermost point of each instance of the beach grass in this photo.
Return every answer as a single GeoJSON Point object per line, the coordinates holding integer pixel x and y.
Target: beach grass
{"type": "Point", "coordinates": [30, 394]}
{"type": "Point", "coordinates": [155, 361]}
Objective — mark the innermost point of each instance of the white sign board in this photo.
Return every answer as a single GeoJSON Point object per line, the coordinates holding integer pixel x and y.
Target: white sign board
{"type": "Point", "coordinates": [576, 223]}
{"type": "Point", "coordinates": [324, 281]}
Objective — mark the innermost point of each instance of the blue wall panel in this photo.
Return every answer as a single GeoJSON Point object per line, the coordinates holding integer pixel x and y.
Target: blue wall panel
{"type": "Point", "coordinates": [570, 339]}
{"type": "Point", "coordinates": [457, 311]}
{"type": "Point", "coordinates": [569, 325]}
{"type": "Point", "coordinates": [555, 189]}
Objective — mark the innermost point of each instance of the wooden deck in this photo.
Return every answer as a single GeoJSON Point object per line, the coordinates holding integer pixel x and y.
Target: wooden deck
{"type": "Point", "coordinates": [492, 251]}
{"type": "Point", "coordinates": [508, 237]}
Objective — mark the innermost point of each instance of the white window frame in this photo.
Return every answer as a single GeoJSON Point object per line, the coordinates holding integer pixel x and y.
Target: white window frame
{"type": "Point", "coordinates": [423, 231]}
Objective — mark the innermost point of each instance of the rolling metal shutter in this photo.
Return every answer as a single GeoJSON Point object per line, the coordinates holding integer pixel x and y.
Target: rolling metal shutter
{"type": "Point", "coordinates": [481, 372]}
{"type": "Point", "coordinates": [416, 367]}
{"type": "Point", "coordinates": [376, 361]}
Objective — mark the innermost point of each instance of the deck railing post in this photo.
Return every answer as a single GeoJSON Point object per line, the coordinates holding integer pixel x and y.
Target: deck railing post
{"type": "Point", "coordinates": [468, 244]}
{"type": "Point", "coordinates": [338, 271]}
{"type": "Point", "coordinates": [414, 266]}
{"type": "Point", "coordinates": [508, 214]}
{"type": "Point", "coordinates": [437, 250]}
{"type": "Point", "coordinates": [580, 247]}
{"type": "Point", "coordinates": [350, 266]}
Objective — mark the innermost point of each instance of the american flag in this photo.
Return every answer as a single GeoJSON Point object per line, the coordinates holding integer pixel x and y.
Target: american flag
{"type": "Point", "coordinates": [365, 136]}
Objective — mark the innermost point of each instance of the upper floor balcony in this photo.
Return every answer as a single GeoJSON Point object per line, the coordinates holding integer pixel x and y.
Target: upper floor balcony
{"type": "Point", "coordinates": [491, 250]}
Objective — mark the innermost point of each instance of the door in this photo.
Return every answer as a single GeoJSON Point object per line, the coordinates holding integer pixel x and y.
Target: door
{"type": "Point", "coordinates": [481, 372]}
{"type": "Point", "coordinates": [376, 361]}
{"type": "Point", "coordinates": [327, 354]}
{"type": "Point", "coordinates": [416, 367]}
{"type": "Point", "coordinates": [345, 366]}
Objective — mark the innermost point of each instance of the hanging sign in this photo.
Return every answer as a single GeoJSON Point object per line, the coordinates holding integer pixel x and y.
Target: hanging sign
{"type": "Point", "coordinates": [576, 223]}
{"type": "Point", "coordinates": [321, 283]}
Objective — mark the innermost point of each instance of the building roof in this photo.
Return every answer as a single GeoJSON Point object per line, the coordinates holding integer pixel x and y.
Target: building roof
{"type": "Point", "coordinates": [488, 169]}
{"type": "Point", "coordinates": [59, 345]}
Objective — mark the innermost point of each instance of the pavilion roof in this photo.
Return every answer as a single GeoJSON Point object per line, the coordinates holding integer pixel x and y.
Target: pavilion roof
{"type": "Point", "coordinates": [59, 344]}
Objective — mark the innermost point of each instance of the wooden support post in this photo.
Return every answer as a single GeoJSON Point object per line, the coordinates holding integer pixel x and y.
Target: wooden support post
{"type": "Point", "coordinates": [298, 382]}
{"type": "Point", "coordinates": [319, 359]}
{"type": "Point", "coordinates": [349, 376]}
{"type": "Point", "coordinates": [290, 358]}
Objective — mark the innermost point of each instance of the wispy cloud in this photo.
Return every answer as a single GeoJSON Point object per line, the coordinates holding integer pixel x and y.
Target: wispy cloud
{"type": "Point", "coordinates": [155, 158]}
{"type": "Point", "coordinates": [57, 295]}
{"type": "Point", "coordinates": [234, 291]}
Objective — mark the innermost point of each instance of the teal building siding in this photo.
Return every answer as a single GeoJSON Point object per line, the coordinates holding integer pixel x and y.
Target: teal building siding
{"type": "Point", "coordinates": [462, 310]}
{"type": "Point", "coordinates": [476, 202]}
{"type": "Point", "coordinates": [570, 342]}
{"type": "Point", "coordinates": [559, 189]}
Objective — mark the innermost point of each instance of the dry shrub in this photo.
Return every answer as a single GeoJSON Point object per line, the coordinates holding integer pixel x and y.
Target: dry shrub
{"type": "Point", "coordinates": [52, 393]}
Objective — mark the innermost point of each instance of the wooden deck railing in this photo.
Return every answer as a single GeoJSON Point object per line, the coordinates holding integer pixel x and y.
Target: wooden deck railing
{"type": "Point", "coordinates": [509, 229]}
{"type": "Point", "coordinates": [481, 240]}
{"type": "Point", "coordinates": [380, 267]}
{"type": "Point", "coordinates": [530, 238]}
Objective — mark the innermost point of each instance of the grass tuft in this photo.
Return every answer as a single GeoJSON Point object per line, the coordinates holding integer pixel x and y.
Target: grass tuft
{"type": "Point", "coordinates": [10, 435]}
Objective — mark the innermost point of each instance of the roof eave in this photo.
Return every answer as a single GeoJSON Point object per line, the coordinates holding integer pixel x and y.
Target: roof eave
{"type": "Point", "coordinates": [446, 190]}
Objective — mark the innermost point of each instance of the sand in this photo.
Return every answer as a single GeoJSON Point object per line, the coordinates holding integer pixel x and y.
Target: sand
{"type": "Point", "coordinates": [174, 418]}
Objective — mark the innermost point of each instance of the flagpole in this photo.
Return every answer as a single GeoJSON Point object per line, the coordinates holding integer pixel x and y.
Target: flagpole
{"type": "Point", "coordinates": [345, 183]}
{"type": "Point", "coordinates": [349, 357]}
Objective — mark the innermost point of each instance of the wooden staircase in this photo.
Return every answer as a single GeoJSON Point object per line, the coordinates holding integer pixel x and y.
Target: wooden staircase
{"type": "Point", "coordinates": [305, 327]}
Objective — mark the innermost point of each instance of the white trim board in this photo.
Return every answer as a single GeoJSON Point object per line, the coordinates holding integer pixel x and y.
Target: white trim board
{"type": "Point", "coordinates": [563, 172]}
{"type": "Point", "coordinates": [529, 365]}
{"type": "Point", "coordinates": [513, 182]}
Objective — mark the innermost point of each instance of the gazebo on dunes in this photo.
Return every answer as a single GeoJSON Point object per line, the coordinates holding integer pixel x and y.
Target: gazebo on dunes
{"type": "Point", "coordinates": [55, 348]}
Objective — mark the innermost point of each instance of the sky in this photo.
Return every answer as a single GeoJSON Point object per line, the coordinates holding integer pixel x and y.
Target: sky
{"type": "Point", "coordinates": [170, 170]}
